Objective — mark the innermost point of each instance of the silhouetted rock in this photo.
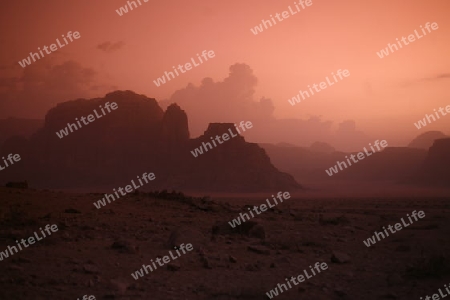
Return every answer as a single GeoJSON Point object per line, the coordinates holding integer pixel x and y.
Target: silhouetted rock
{"type": "Point", "coordinates": [135, 138]}
{"type": "Point", "coordinates": [426, 140]}
{"type": "Point", "coordinates": [436, 168]}
{"type": "Point", "coordinates": [216, 168]}
{"type": "Point", "coordinates": [17, 185]}
{"type": "Point", "coordinates": [175, 125]}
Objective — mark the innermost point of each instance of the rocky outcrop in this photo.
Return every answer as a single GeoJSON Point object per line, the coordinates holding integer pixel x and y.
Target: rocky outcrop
{"type": "Point", "coordinates": [436, 167]}
{"type": "Point", "coordinates": [175, 129]}
{"type": "Point", "coordinates": [135, 138]}
{"type": "Point", "coordinates": [216, 168]}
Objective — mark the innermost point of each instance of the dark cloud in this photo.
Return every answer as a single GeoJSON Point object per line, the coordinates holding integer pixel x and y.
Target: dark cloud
{"type": "Point", "coordinates": [42, 85]}
{"type": "Point", "coordinates": [436, 77]}
{"type": "Point", "coordinates": [230, 100]}
{"type": "Point", "coordinates": [109, 47]}
{"type": "Point", "coordinates": [233, 100]}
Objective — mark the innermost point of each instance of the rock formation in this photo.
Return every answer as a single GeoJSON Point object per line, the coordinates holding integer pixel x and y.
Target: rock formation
{"type": "Point", "coordinates": [135, 138]}
{"type": "Point", "coordinates": [436, 167]}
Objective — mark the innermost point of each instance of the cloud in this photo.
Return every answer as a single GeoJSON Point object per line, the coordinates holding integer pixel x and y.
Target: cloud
{"type": "Point", "coordinates": [437, 77]}
{"type": "Point", "coordinates": [109, 47]}
{"type": "Point", "coordinates": [230, 100]}
{"type": "Point", "coordinates": [233, 100]}
{"type": "Point", "coordinates": [41, 86]}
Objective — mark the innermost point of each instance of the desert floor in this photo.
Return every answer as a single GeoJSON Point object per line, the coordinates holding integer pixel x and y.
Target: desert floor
{"type": "Point", "coordinates": [95, 251]}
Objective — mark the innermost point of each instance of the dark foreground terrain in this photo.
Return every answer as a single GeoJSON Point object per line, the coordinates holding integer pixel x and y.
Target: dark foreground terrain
{"type": "Point", "coordinates": [95, 251]}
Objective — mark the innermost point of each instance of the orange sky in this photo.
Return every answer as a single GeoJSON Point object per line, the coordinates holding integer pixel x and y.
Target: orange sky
{"type": "Point", "coordinates": [384, 96]}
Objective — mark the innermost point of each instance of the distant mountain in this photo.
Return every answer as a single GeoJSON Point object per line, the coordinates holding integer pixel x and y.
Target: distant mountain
{"type": "Point", "coordinates": [135, 138]}
{"type": "Point", "coordinates": [435, 170]}
{"type": "Point", "coordinates": [322, 147]}
{"type": "Point", "coordinates": [302, 162]}
{"type": "Point", "coordinates": [392, 164]}
{"type": "Point", "coordinates": [426, 139]}
{"type": "Point", "coordinates": [309, 164]}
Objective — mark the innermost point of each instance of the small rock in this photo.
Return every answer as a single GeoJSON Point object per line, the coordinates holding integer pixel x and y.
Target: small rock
{"type": "Point", "coordinates": [257, 231]}
{"type": "Point", "coordinates": [206, 263]}
{"type": "Point", "coordinates": [124, 246]}
{"type": "Point", "coordinates": [339, 292]}
{"type": "Point", "coordinates": [340, 257]}
{"type": "Point", "coordinates": [173, 266]}
{"type": "Point", "coordinates": [185, 236]}
{"type": "Point", "coordinates": [394, 280]}
{"type": "Point", "coordinates": [91, 269]}
{"type": "Point", "coordinates": [403, 248]}
{"type": "Point", "coordinates": [72, 211]}
{"type": "Point", "coordinates": [232, 259]}
{"type": "Point", "coordinates": [118, 286]}
{"type": "Point", "coordinates": [259, 249]}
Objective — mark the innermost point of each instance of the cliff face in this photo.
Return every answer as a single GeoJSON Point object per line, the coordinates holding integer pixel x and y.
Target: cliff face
{"type": "Point", "coordinates": [175, 129]}
{"type": "Point", "coordinates": [135, 138]}
{"type": "Point", "coordinates": [234, 165]}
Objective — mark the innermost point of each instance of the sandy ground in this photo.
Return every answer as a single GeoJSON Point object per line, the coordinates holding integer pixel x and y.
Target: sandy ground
{"type": "Point", "coordinates": [95, 251]}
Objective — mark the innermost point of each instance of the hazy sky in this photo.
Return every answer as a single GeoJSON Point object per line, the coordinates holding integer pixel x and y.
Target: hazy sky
{"type": "Point", "coordinates": [384, 96]}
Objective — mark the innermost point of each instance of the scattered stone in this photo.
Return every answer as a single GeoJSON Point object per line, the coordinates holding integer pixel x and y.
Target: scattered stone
{"type": "Point", "coordinates": [340, 257]}
{"type": "Point", "coordinates": [72, 211]}
{"type": "Point", "coordinates": [124, 246]}
{"type": "Point", "coordinates": [257, 231]}
{"type": "Point", "coordinates": [232, 259]}
{"type": "Point", "coordinates": [206, 263]}
{"type": "Point", "coordinates": [252, 267]}
{"type": "Point", "coordinates": [173, 266]}
{"type": "Point", "coordinates": [259, 249]}
{"type": "Point", "coordinates": [394, 280]}
{"type": "Point", "coordinates": [339, 292]}
{"type": "Point", "coordinates": [91, 269]}
{"type": "Point", "coordinates": [403, 248]}
{"type": "Point", "coordinates": [390, 296]}
{"type": "Point", "coordinates": [185, 236]}
{"type": "Point", "coordinates": [117, 286]}
{"type": "Point", "coordinates": [17, 185]}
{"type": "Point", "coordinates": [223, 228]}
